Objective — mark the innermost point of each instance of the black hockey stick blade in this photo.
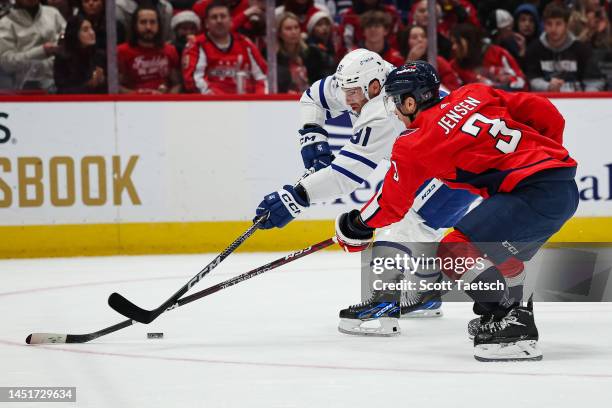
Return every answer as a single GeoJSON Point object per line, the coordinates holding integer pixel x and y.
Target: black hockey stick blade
{"type": "Point", "coordinates": [128, 309]}
{"type": "Point", "coordinates": [121, 305]}
{"type": "Point", "coordinates": [57, 338]}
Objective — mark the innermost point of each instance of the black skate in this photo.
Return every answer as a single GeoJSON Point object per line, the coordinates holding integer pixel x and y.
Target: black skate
{"type": "Point", "coordinates": [371, 318]}
{"type": "Point", "coordinates": [475, 324]}
{"type": "Point", "coordinates": [514, 337]}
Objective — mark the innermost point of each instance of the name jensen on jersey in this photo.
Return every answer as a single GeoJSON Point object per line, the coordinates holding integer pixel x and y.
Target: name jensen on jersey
{"type": "Point", "coordinates": [457, 112]}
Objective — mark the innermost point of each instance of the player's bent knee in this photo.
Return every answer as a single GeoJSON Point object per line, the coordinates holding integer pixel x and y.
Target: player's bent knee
{"type": "Point", "coordinates": [454, 246]}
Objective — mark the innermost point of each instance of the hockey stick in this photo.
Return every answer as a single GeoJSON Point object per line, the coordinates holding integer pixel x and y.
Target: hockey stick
{"type": "Point", "coordinates": [121, 305]}
{"type": "Point", "coordinates": [57, 338]}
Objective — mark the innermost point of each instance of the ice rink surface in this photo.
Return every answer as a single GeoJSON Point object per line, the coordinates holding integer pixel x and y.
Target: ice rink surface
{"type": "Point", "coordinates": [272, 341]}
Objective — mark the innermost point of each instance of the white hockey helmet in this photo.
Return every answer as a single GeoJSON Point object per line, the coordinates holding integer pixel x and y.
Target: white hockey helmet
{"type": "Point", "coordinates": [360, 67]}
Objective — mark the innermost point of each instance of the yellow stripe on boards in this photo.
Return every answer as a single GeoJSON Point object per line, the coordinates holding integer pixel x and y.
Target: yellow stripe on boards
{"type": "Point", "coordinates": [154, 238]}
{"type": "Point", "coordinates": [198, 237]}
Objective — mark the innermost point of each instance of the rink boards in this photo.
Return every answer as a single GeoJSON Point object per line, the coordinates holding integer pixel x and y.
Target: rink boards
{"type": "Point", "coordinates": [117, 176]}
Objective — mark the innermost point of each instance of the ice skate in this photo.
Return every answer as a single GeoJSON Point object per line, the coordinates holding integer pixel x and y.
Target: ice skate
{"type": "Point", "coordinates": [475, 324]}
{"type": "Point", "coordinates": [514, 337]}
{"type": "Point", "coordinates": [433, 308]}
{"type": "Point", "coordinates": [371, 318]}
{"type": "Point", "coordinates": [420, 305]}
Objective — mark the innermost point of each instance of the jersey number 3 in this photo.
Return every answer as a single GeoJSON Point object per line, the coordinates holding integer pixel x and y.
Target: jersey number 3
{"type": "Point", "coordinates": [507, 139]}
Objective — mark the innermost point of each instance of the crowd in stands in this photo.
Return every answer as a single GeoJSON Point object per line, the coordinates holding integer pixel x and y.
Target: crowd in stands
{"type": "Point", "coordinates": [219, 47]}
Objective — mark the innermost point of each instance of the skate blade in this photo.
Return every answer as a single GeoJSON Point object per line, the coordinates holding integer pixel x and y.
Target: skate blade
{"type": "Point", "coordinates": [386, 327]}
{"type": "Point", "coordinates": [425, 313]}
{"type": "Point", "coordinates": [524, 350]}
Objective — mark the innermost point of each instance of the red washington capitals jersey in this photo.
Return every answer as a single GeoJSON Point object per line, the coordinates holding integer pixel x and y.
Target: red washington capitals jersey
{"type": "Point", "coordinates": [210, 70]}
{"type": "Point", "coordinates": [477, 138]}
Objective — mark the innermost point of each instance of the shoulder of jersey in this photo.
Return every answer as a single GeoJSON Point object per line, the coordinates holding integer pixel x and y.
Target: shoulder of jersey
{"type": "Point", "coordinates": [242, 38]}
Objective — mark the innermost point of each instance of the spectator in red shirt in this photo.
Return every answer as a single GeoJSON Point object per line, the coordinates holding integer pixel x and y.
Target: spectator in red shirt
{"type": "Point", "coordinates": [350, 28]}
{"type": "Point", "coordinates": [220, 62]}
{"type": "Point", "coordinates": [376, 25]}
{"type": "Point", "coordinates": [477, 60]}
{"type": "Point", "coordinates": [413, 46]}
{"type": "Point", "coordinates": [146, 64]}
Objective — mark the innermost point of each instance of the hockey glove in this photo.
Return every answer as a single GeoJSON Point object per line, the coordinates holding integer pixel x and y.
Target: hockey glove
{"type": "Point", "coordinates": [315, 149]}
{"type": "Point", "coordinates": [283, 205]}
{"type": "Point", "coordinates": [352, 233]}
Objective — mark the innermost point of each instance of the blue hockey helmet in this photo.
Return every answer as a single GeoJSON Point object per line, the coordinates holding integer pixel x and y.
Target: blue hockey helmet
{"type": "Point", "coordinates": [417, 79]}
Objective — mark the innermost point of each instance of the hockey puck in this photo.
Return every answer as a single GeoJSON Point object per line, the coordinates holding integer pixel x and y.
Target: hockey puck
{"type": "Point", "coordinates": [155, 335]}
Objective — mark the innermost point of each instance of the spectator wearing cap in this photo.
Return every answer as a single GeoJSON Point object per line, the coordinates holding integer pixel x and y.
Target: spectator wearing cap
{"type": "Point", "coordinates": [527, 22]}
{"type": "Point", "coordinates": [299, 64]}
{"type": "Point", "coordinates": [557, 62]}
{"type": "Point", "coordinates": [185, 26]}
{"type": "Point", "coordinates": [146, 63]}
{"type": "Point", "coordinates": [376, 25]}
{"type": "Point", "coordinates": [126, 8]}
{"type": "Point", "coordinates": [302, 9]}
{"type": "Point", "coordinates": [413, 47]}
{"type": "Point", "coordinates": [501, 29]}
{"type": "Point", "coordinates": [28, 42]}
{"type": "Point", "coordinates": [419, 15]}
{"type": "Point", "coordinates": [476, 60]}
{"type": "Point", "coordinates": [350, 29]}
{"type": "Point", "coordinates": [322, 35]}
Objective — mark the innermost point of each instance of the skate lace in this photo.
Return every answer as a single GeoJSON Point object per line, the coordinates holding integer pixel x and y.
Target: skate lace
{"type": "Point", "coordinates": [497, 325]}
{"type": "Point", "coordinates": [358, 305]}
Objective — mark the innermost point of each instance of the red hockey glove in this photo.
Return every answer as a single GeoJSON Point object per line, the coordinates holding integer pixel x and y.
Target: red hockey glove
{"type": "Point", "coordinates": [352, 233]}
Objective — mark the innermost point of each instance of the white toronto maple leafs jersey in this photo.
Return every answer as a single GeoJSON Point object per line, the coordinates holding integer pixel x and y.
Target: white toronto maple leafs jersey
{"type": "Point", "coordinates": [374, 132]}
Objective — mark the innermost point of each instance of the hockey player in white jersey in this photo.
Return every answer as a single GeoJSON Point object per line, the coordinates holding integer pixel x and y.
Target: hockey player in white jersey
{"type": "Point", "coordinates": [357, 87]}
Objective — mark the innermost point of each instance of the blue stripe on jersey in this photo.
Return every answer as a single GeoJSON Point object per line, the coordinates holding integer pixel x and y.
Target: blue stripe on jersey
{"type": "Point", "coordinates": [322, 94]}
{"type": "Point", "coordinates": [347, 173]}
{"type": "Point", "coordinates": [359, 158]}
{"type": "Point", "coordinates": [308, 94]}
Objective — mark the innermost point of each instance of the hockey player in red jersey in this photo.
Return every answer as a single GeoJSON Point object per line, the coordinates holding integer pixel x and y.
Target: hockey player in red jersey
{"type": "Point", "coordinates": [505, 147]}
{"type": "Point", "coordinates": [220, 62]}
